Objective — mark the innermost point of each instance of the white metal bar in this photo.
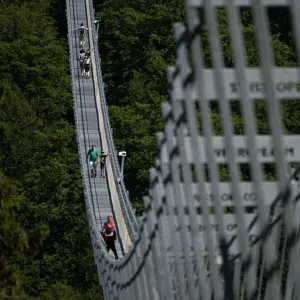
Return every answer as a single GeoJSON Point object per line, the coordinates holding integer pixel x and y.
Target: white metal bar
{"type": "Point", "coordinates": [176, 179]}
{"type": "Point", "coordinates": [160, 247]}
{"type": "Point", "coordinates": [265, 151]}
{"type": "Point", "coordinates": [221, 3]}
{"type": "Point", "coordinates": [180, 36]}
{"type": "Point", "coordinates": [286, 82]}
{"type": "Point", "coordinates": [178, 239]}
{"type": "Point", "coordinates": [217, 61]}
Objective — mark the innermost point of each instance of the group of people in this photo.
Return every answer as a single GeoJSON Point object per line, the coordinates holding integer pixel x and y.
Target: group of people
{"type": "Point", "coordinates": [85, 62]}
{"type": "Point", "coordinates": [109, 231]}
{"type": "Point", "coordinates": [84, 56]}
{"type": "Point", "coordinates": [94, 159]}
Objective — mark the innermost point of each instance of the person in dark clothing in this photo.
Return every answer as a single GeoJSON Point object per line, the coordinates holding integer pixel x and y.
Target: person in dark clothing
{"type": "Point", "coordinates": [109, 234]}
{"type": "Point", "coordinates": [102, 159]}
{"type": "Point", "coordinates": [88, 53]}
{"type": "Point", "coordinates": [103, 232]}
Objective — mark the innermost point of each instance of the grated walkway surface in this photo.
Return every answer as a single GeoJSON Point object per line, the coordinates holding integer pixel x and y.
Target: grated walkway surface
{"type": "Point", "coordinates": [86, 118]}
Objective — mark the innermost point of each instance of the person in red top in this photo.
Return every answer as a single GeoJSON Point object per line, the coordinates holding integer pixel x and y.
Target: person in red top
{"type": "Point", "coordinates": [109, 234]}
{"type": "Point", "coordinates": [109, 222]}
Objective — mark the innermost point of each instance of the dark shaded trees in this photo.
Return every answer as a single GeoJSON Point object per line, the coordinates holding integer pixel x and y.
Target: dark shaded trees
{"type": "Point", "coordinates": [137, 45]}
{"type": "Point", "coordinates": [13, 240]}
{"type": "Point", "coordinates": [38, 150]}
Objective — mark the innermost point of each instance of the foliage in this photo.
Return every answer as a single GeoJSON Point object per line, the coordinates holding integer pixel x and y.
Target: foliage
{"type": "Point", "coordinates": [38, 151]}
{"type": "Point", "coordinates": [137, 46]}
{"type": "Point", "coordinates": [63, 292]}
{"type": "Point", "coordinates": [12, 239]}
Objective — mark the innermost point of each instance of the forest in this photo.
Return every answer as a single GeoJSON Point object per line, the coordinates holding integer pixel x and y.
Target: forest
{"type": "Point", "coordinates": [45, 249]}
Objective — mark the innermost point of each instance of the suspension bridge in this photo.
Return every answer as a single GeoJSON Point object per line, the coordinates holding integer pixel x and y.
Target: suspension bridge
{"type": "Point", "coordinates": [199, 237]}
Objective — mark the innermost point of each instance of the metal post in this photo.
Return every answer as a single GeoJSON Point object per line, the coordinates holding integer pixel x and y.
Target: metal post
{"type": "Point", "coordinates": [122, 154]}
{"type": "Point", "coordinates": [122, 166]}
{"type": "Point", "coordinates": [97, 31]}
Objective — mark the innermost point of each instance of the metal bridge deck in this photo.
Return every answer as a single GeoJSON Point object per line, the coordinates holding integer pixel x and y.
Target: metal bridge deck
{"type": "Point", "coordinates": [86, 118]}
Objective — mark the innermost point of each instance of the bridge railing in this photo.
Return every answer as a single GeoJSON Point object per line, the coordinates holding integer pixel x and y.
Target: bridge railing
{"type": "Point", "coordinates": [126, 205]}
{"type": "Point", "coordinates": [156, 266]}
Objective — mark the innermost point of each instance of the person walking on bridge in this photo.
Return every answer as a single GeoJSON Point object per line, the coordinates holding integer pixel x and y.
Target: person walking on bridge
{"type": "Point", "coordinates": [109, 234]}
{"type": "Point", "coordinates": [93, 156]}
{"type": "Point", "coordinates": [102, 163]}
{"type": "Point", "coordinates": [87, 67]}
{"type": "Point", "coordinates": [88, 53]}
{"type": "Point", "coordinates": [81, 64]}
{"type": "Point", "coordinates": [82, 29]}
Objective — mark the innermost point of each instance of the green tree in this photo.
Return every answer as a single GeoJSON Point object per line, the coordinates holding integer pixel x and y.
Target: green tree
{"type": "Point", "coordinates": [14, 240]}
{"type": "Point", "coordinates": [63, 292]}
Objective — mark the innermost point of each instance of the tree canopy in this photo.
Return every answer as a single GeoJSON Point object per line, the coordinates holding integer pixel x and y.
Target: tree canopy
{"type": "Point", "coordinates": [44, 236]}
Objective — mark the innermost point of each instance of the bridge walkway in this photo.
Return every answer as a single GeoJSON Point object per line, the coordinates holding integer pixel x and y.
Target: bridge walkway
{"type": "Point", "coordinates": [87, 120]}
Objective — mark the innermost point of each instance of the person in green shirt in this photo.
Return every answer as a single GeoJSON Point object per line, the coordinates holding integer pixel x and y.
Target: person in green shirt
{"type": "Point", "coordinates": [102, 159]}
{"type": "Point", "coordinates": [93, 156]}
